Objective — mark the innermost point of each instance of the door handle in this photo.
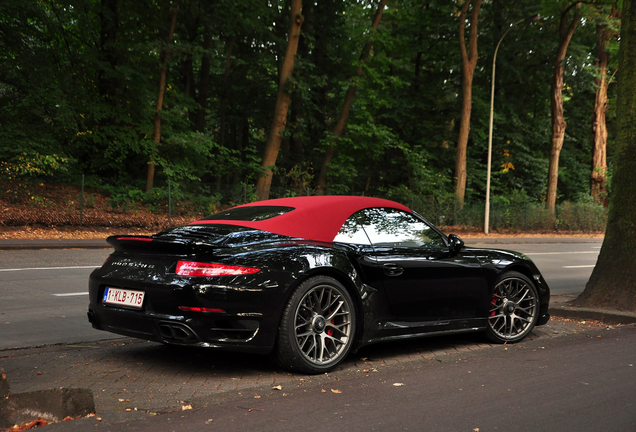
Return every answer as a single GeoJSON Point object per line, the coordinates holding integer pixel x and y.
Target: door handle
{"type": "Point", "coordinates": [391, 269]}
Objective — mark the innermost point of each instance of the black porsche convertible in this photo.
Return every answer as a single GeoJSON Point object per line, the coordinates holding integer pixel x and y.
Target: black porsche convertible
{"type": "Point", "coordinates": [309, 279]}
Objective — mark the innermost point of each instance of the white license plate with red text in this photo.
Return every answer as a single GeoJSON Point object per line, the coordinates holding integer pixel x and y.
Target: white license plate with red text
{"type": "Point", "coordinates": [123, 297]}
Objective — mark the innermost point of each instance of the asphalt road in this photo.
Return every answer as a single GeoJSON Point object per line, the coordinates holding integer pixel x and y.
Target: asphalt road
{"type": "Point", "coordinates": [577, 382]}
{"type": "Point", "coordinates": [566, 266]}
{"type": "Point", "coordinates": [45, 292]}
{"type": "Point", "coordinates": [45, 297]}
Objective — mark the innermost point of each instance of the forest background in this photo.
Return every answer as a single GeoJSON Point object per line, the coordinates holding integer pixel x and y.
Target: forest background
{"type": "Point", "coordinates": [143, 100]}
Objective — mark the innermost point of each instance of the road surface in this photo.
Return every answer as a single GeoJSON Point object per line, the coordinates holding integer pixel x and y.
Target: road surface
{"type": "Point", "coordinates": [45, 292]}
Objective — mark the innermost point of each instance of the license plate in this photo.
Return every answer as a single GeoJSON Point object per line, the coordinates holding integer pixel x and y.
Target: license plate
{"type": "Point", "coordinates": [124, 297]}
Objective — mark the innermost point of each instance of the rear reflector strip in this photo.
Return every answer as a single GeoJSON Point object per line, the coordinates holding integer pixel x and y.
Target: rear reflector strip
{"type": "Point", "coordinates": [200, 309]}
{"type": "Point", "coordinates": [191, 268]}
{"type": "Point", "coordinates": [134, 239]}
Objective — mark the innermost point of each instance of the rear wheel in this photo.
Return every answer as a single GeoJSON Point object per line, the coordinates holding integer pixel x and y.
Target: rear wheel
{"type": "Point", "coordinates": [514, 308]}
{"type": "Point", "coordinates": [317, 327]}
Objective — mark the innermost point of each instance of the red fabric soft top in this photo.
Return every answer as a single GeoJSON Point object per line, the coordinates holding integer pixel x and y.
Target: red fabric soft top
{"type": "Point", "coordinates": [313, 218]}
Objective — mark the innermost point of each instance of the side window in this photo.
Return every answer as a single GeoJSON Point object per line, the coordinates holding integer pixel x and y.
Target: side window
{"type": "Point", "coordinates": [397, 228]}
{"type": "Point", "coordinates": [352, 232]}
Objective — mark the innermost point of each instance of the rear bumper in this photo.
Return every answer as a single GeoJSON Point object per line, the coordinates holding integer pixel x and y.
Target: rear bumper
{"type": "Point", "coordinates": [244, 320]}
{"type": "Point", "coordinates": [222, 332]}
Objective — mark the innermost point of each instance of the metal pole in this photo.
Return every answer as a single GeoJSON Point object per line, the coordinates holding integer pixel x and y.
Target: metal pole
{"type": "Point", "coordinates": [82, 204]}
{"type": "Point", "coordinates": [169, 206]}
{"type": "Point", "coordinates": [492, 106]}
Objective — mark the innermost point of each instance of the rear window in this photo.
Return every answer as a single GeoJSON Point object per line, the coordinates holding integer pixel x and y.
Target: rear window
{"type": "Point", "coordinates": [220, 235]}
{"type": "Point", "coordinates": [251, 214]}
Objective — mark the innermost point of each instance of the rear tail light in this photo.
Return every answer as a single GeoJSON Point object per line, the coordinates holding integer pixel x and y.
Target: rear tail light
{"type": "Point", "coordinates": [191, 268]}
{"type": "Point", "coordinates": [200, 309]}
{"type": "Point", "coordinates": [145, 239]}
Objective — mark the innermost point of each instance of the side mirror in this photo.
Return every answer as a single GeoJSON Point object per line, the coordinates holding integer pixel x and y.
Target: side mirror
{"type": "Point", "coordinates": [455, 244]}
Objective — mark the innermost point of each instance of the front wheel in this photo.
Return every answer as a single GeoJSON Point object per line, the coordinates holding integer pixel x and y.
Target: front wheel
{"type": "Point", "coordinates": [514, 308]}
{"type": "Point", "coordinates": [317, 328]}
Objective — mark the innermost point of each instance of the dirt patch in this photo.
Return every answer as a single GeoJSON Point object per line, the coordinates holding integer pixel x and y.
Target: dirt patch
{"type": "Point", "coordinates": [467, 232]}
{"type": "Point", "coordinates": [56, 211]}
{"type": "Point", "coordinates": [67, 232]}
{"type": "Point", "coordinates": [40, 210]}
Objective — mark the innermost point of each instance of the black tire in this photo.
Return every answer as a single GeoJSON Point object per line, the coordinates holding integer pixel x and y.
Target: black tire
{"type": "Point", "coordinates": [514, 308]}
{"type": "Point", "coordinates": [317, 327]}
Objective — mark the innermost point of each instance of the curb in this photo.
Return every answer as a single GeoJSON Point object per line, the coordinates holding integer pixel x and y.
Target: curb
{"type": "Point", "coordinates": [31, 244]}
{"type": "Point", "coordinates": [560, 306]}
{"type": "Point", "coordinates": [34, 244]}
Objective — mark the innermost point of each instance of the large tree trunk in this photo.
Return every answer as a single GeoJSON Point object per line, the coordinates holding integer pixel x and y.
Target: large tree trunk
{"type": "Point", "coordinates": [613, 281]}
{"type": "Point", "coordinates": [282, 102]}
{"type": "Point", "coordinates": [348, 101]}
{"type": "Point", "coordinates": [297, 112]}
{"type": "Point", "coordinates": [598, 178]}
{"type": "Point", "coordinates": [556, 101]}
{"type": "Point", "coordinates": [156, 135]}
{"type": "Point", "coordinates": [469, 61]}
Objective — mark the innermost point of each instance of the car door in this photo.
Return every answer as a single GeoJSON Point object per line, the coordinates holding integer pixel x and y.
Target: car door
{"type": "Point", "coordinates": [424, 281]}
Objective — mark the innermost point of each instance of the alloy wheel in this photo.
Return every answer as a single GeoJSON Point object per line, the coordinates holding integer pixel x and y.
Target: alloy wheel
{"type": "Point", "coordinates": [323, 324]}
{"type": "Point", "coordinates": [513, 309]}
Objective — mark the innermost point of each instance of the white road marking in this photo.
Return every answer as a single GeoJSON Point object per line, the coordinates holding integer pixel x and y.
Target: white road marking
{"type": "Point", "coordinates": [70, 294]}
{"type": "Point", "coordinates": [49, 268]}
{"type": "Point", "coordinates": [581, 266]}
{"type": "Point", "coordinates": [560, 253]}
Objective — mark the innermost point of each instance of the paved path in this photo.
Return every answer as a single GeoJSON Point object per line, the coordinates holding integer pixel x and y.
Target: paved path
{"type": "Point", "coordinates": [131, 377]}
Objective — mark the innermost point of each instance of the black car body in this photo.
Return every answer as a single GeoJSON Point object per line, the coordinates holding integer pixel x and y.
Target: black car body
{"type": "Point", "coordinates": [308, 279]}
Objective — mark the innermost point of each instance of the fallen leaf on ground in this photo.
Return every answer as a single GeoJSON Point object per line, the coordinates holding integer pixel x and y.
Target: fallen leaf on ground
{"type": "Point", "coordinates": [335, 391]}
{"type": "Point", "coordinates": [186, 407]}
{"type": "Point", "coordinates": [398, 384]}
{"type": "Point", "coordinates": [31, 425]}
{"type": "Point", "coordinates": [278, 387]}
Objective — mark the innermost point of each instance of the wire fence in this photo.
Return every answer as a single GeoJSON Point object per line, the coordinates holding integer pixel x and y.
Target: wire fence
{"type": "Point", "coordinates": [83, 201]}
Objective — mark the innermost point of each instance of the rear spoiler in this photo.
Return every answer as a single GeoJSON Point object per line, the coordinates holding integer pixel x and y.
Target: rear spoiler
{"type": "Point", "coordinates": [154, 245]}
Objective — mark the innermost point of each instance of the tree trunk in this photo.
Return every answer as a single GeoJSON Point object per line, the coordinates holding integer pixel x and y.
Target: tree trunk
{"type": "Point", "coordinates": [224, 93]}
{"type": "Point", "coordinates": [109, 22]}
{"type": "Point", "coordinates": [298, 110]}
{"type": "Point", "coordinates": [598, 177]}
{"type": "Point", "coordinates": [282, 102]}
{"type": "Point", "coordinates": [556, 102]}
{"type": "Point", "coordinates": [204, 81]}
{"type": "Point", "coordinates": [613, 280]}
{"type": "Point", "coordinates": [156, 135]}
{"type": "Point", "coordinates": [469, 61]}
{"type": "Point", "coordinates": [348, 101]}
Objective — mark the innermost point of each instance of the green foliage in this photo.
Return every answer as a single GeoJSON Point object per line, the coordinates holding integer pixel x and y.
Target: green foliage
{"type": "Point", "coordinates": [79, 85]}
{"type": "Point", "coordinates": [33, 165]}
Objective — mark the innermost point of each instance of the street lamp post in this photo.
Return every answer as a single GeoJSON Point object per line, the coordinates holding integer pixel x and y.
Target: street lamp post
{"type": "Point", "coordinates": [492, 106]}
